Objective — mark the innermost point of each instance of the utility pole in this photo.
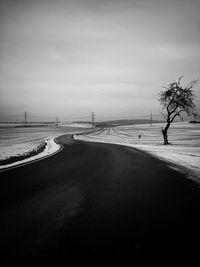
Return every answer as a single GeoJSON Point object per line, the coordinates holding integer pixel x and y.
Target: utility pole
{"type": "Point", "coordinates": [93, 119]}
{"type": "Point", "coordinates": [25, 118]}
{"type": "Point", "coordinates": [151, 118]}
{"type": "Point", "coordinates": [57, 120]}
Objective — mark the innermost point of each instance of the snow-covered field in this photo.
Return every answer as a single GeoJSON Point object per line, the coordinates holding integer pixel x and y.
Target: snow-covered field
{"type": "Point", "coordinates": [184, 137]}
{"type": "Point", "coordinates": [22, 140]}
{"type": "Point", "coordinates": [51, 148]}
{"type": "Point", "coordinates": [76, 124]}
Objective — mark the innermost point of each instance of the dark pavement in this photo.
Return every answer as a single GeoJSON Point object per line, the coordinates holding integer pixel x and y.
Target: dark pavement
{"type": "Point", "coordinates": [98, 204]}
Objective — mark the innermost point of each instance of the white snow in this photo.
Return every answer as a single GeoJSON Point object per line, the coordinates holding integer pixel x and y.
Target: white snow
{"type": "Point", "coordinates": [184, 150]}
{"type": "Point", "coordinates": [15, 150]}
{"type": "Point", "coordinates": [51, 148]}
{"type": "Point", "coordinates": [17, 141]}
{"type": "Point", "coordinates": [75, 124]}
{"type": "Point", "coordinates": [22, 140]}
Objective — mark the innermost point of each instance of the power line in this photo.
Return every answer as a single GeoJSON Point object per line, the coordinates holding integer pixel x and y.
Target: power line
{"type": "Point", "coordinates": [93, 118]}
{"type": "Point", "coordinates": [25, 118]}
{"type": "Point", "coordinates": [57, 120]}
{"type": "Point", "coordinates": [151, 118]}
{"type": "Point", "coordinates": [48, 117]}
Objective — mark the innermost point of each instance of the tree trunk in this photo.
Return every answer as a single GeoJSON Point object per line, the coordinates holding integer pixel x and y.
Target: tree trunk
{"type": "Point", "coordinates": [164, 132]}
{"type": "Point", "coordinates": [165, 137]}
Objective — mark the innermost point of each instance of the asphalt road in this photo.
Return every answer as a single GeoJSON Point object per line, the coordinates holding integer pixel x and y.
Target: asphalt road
{"type": "Point", "coordinates": [98, 203]}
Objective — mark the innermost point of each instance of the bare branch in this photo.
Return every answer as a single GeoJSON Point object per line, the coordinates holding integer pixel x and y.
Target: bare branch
{"type": "Point", "coordinates": [179, 79]}
{"type": "Point", "coordinates": [164, 115]}
{"type": "Point", "coordinates": [174, 110]}
{"type": "Point", "coordinates": [177, 114]}
{"type": "Point", "coordinates": [192, 84]}
{"type": "Point", "coordinates": [176, 99]}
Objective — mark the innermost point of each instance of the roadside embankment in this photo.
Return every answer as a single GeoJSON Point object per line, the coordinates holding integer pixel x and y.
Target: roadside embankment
{"type": "Point", "coordinates": [47, 148]}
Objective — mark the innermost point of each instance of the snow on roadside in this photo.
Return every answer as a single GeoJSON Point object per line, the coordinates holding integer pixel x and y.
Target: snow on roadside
{"type": "Point", "coordinates": [184, 151]}
{"type": "Point", "coordinates": [76, 124]}
{"type": "Point", "coordinates": [186, 157]}
{"type": "Point", "coordinates": [14, 150]}
{"type": "Point", "coordinates": [51, 148]}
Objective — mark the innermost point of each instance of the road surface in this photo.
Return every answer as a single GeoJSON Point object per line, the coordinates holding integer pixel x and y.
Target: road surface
{"type": "Point", "coordinates": [98, 203]}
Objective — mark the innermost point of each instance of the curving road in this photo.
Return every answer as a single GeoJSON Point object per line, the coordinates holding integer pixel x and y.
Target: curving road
{"type": "Point", "coordinates": [98, 203]}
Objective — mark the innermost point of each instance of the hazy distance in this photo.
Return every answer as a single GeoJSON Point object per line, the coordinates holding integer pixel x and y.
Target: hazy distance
{"type": "Point", "coordinates": [110, 57]}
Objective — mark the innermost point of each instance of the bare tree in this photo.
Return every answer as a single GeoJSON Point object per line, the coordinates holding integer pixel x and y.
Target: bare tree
{"type": "Point", "coordinates": [176, 100]}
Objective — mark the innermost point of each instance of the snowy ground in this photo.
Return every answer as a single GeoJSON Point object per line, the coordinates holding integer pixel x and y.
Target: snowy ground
{"type": "Point", "coordinates": [76, 124]}
{"type": "Point", "coordinates": [51, 148]}
{"type": "Point", "coordinates": [19, 141]}
{"type": "Point", "coordinates": [184, 150]}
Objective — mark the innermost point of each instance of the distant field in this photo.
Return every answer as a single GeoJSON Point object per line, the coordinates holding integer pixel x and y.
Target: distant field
{"type": "Point", "coordinates": [184, 137]}
{"type": "Point", "coordinates": [17, 141]}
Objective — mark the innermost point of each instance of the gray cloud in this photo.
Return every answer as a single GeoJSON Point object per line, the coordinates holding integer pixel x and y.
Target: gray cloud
{"type": "Point", "coordinates": [78, 56]}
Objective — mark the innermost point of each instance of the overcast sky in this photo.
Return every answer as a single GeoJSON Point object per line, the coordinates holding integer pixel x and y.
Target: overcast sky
{"type": "Point", "coordinates": [108, 56]}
